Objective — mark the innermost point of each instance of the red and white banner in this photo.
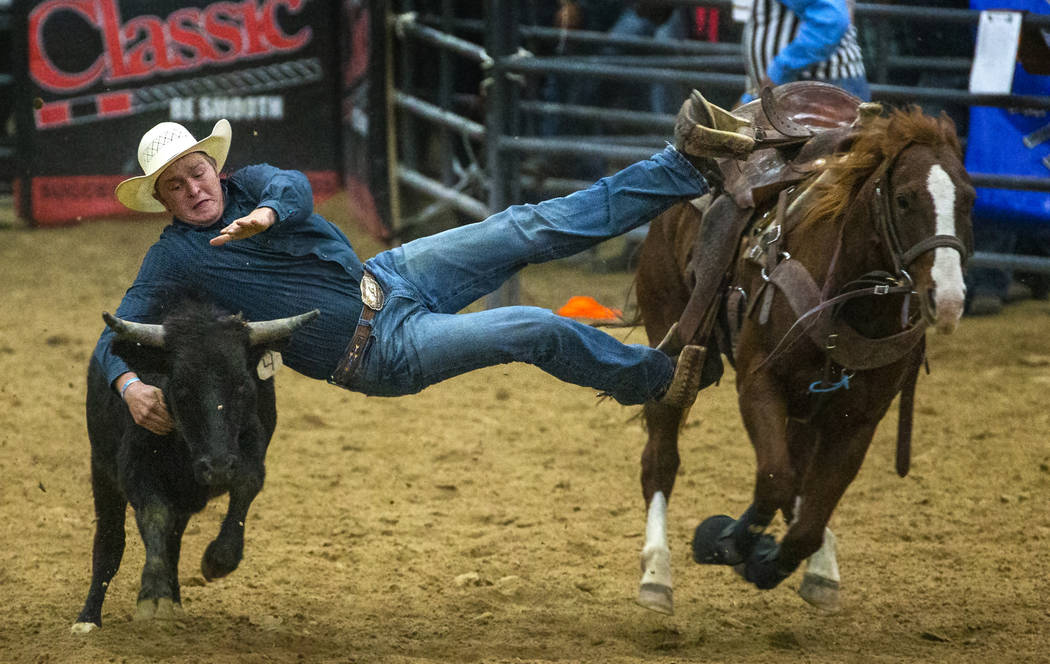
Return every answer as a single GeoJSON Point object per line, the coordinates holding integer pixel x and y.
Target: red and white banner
{"type": "Point", "coordinates": [102, 72]}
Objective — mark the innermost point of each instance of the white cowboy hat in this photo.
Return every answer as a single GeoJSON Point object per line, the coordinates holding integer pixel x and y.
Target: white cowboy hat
{"type": "Point", "coordinates": [158, 149]}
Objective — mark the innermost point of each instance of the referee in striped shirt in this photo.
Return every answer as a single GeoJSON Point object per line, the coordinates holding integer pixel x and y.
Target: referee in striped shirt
{"type": "Point", "coordinates": [792, 40]}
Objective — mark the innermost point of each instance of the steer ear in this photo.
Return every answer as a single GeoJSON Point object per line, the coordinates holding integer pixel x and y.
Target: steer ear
{"type": "Point", "coordinates": [142, 333]}
{"type": "Point", "coordinates": [265, 331]}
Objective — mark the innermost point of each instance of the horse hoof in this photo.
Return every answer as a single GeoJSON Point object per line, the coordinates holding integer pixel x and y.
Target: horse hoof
{"type": "Point", "coordinates": [707, 549]}
{"type": "Point", "coordinates": [83, 628]}
{"type": "Point", "coordinates": [820, 592]}
{"type": "Point", "coordinates": [657, 597]}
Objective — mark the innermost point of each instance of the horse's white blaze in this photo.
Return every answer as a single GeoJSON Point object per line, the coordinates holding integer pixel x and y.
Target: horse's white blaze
{"type": "Point", "coordinates": [950, 292]}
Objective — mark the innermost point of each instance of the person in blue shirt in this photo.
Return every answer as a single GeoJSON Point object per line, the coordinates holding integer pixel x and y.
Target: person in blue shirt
{"type": "Point", "coordinates": [792, 40]}
{"type": "Point", "coordinates": [252, 243]}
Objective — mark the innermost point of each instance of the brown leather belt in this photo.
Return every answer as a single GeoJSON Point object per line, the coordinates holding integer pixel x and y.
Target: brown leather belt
{"type": "Point", "coordinates": [372, 300]}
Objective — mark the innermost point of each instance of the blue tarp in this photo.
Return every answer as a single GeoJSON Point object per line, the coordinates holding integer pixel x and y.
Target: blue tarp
{"type": "Point", "coordinates": [994, 144]}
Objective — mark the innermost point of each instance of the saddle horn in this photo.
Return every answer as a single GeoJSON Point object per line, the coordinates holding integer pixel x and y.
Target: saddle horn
{"type": "Point", "coordinates": [866, 112]}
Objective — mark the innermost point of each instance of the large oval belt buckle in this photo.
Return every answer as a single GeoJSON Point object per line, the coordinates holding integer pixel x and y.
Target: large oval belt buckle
{"type": "Point", "coordinates": [371, 293]}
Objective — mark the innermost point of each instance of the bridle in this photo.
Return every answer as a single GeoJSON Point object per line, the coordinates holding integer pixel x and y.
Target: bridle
{"type": "Point", "coordinates": [886, 225]}
{"type": "Point", "coordinates": [816, 308]}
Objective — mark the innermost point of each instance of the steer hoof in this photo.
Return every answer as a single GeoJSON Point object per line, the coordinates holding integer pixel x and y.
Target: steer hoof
{"type": "Point", "coordinates": [821, 592]}
{"type": "Point", "coordinates": [83, 628]}
{"type": "Point", "coordinates": [162, 608]}
{"type": "Point", "coordinates": [657, 597]}
{"type": "Point", "coordinates": [709, 547]}
{"type": "Point", "coordinates": [219, 560]}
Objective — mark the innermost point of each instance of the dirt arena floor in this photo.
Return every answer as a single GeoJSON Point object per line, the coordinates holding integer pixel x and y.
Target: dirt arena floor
{"type": "Point", "coordinates": [498, 517]}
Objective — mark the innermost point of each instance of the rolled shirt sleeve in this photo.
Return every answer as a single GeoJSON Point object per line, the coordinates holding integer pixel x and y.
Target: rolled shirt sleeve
{"type": "Point", "coordinates": [288, 193]}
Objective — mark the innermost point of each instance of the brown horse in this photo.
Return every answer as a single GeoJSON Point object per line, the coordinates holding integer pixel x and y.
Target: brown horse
{"type": "Point", "coordinates": [834, 286]}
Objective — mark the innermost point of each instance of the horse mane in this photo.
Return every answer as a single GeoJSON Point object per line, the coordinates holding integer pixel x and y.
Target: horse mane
{"type": "Point", "coordinates": [880, 138]}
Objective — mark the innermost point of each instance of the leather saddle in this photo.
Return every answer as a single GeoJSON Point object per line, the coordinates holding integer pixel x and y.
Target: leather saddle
{"type": "Point", "coordinates": [797, 127]}
{"type": "Point", "coordinates": [805, 121]}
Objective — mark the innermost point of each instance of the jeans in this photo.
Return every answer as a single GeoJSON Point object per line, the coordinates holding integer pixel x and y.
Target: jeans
{"type": "Point", "coordinates": [419, 339]}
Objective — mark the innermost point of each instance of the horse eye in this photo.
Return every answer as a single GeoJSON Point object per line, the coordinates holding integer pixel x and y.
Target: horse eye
{"type": "Point", "coordinates": [902, 201]}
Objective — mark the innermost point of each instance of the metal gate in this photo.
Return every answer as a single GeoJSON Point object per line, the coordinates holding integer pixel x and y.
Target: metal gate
{"type": "Point", "coordinates": [474, 163]}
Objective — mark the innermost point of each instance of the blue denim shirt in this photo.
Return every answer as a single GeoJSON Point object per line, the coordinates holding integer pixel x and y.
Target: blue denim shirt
{"type": "Point", "coordinates": [300, 263]}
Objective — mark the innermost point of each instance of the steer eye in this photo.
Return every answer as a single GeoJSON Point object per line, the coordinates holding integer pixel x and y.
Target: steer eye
{"type": "Point", "coordinates": [902, 201]}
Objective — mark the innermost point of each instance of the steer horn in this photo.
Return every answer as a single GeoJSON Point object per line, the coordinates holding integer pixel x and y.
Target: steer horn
{"type": "Point", "coordinates": [150, 334]}
{"type": "Point", "coordinates": [271, 330]}
{"type": "Point", "coordinates": [147, 334]}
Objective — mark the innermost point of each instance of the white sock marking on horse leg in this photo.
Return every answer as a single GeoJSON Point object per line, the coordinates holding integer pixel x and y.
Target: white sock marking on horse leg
{"type": "Point", "coordinates": [656, 554]}
{"type": "Point", "coordinates": [823, 563]}
{"type": "Point", "coordinates": [656, 523]}
{"type": "Point", "coordinates": [947, 266]}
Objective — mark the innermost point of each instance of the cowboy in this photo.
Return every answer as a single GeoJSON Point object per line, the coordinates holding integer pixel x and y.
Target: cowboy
{"type": "Point", "coordinates": [252, 243]}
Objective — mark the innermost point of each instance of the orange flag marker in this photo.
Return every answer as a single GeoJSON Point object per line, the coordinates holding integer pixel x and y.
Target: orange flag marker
{"type": "Point", "coordinates": [584, 306]}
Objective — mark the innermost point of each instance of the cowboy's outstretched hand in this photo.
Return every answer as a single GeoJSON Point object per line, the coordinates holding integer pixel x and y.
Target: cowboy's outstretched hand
{"type": "Point", "coordinates": [148, 408]}
{"type": "Point", "coordinates": [251, 224]}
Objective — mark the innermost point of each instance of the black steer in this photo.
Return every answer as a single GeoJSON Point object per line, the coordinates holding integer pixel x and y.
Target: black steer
{"type": "Point", "coordinates": [205, 363]}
